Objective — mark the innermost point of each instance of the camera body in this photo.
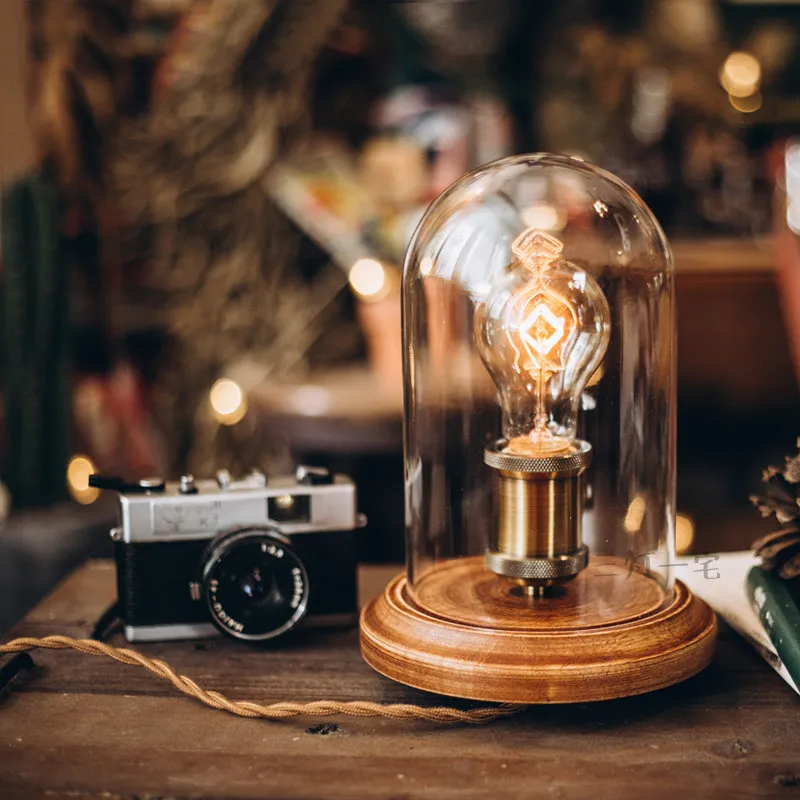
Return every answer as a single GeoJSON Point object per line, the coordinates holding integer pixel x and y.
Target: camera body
{"type": "Point", "coordinates": [252, 558]}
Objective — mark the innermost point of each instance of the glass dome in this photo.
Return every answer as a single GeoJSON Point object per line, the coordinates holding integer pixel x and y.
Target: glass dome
{"type": "Point", "coordinates": [539, 356]}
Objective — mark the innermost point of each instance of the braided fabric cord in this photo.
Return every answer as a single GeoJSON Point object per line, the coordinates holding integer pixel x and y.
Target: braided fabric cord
{"type": "Point", "coordinates": [273, 711]}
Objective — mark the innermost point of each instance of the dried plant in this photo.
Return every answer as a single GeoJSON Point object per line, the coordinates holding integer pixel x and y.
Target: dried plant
{"type": "Point", "coordinates": [189, 180]}
{"type": "Point", "coordinates": [780, 550]}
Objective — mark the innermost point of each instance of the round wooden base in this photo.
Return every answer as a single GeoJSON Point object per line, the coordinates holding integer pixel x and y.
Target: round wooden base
{"type": "Point", "coordinates": [609, 633]}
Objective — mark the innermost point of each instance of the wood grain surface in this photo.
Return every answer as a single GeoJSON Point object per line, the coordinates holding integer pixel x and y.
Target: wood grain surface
{"type": "Point", "coordinates": [89, 728]}
{"type": "Point", "coordinates": [607, 592]}
{"type": "Point", "coordinates": [609, 633]}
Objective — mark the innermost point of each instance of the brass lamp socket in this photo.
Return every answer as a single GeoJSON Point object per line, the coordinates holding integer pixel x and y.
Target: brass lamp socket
{"type": "Point", "coordinates": [536, 540]}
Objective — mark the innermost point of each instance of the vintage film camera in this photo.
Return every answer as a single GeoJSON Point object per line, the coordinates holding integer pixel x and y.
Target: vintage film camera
{"type": "Point", "coordinates": [252, 558]}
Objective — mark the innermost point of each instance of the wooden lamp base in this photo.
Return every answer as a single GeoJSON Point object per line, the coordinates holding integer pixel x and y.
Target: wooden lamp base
{"type": "Point", "coordinates": [608, 633]}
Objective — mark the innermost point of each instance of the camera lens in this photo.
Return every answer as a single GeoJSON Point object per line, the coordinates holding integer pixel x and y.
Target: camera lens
{"type": "Point", "coordinates": [256, 587]}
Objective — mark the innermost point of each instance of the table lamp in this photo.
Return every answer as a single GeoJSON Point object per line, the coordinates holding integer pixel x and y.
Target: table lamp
{"type": "Point", "coordinates": [539, 447]}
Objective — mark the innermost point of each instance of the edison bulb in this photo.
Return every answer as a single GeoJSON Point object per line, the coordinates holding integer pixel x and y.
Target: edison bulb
{"type": "Point", "coordinates": [542, 332]}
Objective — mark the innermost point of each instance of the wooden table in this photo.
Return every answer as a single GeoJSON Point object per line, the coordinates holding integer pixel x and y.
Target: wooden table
{"type": "Point", "coordinates": [81, 726]}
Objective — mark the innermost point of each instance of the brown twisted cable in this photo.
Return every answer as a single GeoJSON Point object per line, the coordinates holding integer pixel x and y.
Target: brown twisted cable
{"type": "Point", "coordinates": [319, 708]}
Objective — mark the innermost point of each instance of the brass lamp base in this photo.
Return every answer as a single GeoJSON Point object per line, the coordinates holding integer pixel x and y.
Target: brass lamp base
{"type": "Point", "coordinates": [609, 634]}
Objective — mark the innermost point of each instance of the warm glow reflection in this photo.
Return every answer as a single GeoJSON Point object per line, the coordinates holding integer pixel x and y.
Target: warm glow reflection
{"type": "Point", "coordinates": [368, 279]}
{"type": "Point", "coordinates": [78, 471]}
{"type": "Point", "coordinates": [544, 216]}
{"type": "Point", "coordinates": [426, 265]}
{"type": "Point", "coordinates": [684, 533]}
{"type": "Point", "coordinates": [634, 516]}
{"type": "Point", "coordinates": [228, 402]}
{"type": "Point", "coordinates": [740, 74]}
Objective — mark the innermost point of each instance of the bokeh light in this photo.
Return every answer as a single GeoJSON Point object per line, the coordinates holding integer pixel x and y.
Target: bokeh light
{"type": "Point", "coordinates": [740, 74]}
{"type": "Point", "coordinates": [228, 402]}
{"type": "Point", "coordinates": [368, 279]}
{"type": "Point", "coordinates": [684, 533]}
{"type": "Point", "coordinates": [634, 516]}
{"type": "Point", "coordinates": [79, 469]}
{"type": "Point", "coordinates": [746, 105]}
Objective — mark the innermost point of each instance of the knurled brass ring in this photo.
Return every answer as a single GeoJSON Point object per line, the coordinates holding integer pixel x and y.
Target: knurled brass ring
{"type": "Point", "coordinates": [539, 569]}
{"type": "Point", "coordinates": [567, 464]}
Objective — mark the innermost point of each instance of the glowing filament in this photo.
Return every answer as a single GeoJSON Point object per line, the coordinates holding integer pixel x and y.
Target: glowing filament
{"type": "Point", "coordinates": [536, 334]}
{"type": "Point", "coordinates": [539, 322]}
{"type": "Point", "coordinates": [547, 319]}
{"type": "Point", "coordinates": [541, 335]}
{"type": "Point", "coordinates": [536, 250]}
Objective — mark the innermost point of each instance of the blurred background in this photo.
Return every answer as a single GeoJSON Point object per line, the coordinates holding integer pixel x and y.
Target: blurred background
{"type": "Point", "coordinates": [206, 203]}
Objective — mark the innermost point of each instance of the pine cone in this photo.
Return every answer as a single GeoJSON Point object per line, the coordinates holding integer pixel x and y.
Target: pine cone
{"type": "Point", "coordinates": [780, 551]}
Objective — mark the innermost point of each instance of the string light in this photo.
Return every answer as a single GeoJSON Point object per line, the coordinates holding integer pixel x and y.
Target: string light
{"type": "Point", "coordinates": [368, 279]}
{"type": "Point", "coordinates": [78, 471]}
{"type": "Point", "coordinates": [228, 402]}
